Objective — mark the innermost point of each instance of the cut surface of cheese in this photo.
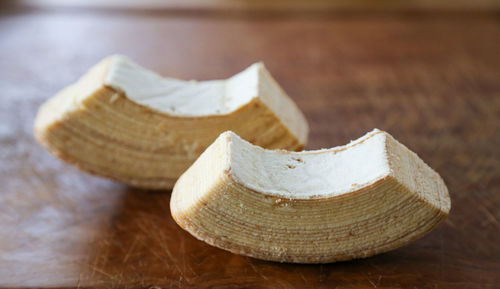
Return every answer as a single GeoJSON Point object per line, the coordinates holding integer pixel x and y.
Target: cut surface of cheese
{"type": "Point", "coordinates": [129, 124]}
{"type": "Point", "coordinates": [367, 197]}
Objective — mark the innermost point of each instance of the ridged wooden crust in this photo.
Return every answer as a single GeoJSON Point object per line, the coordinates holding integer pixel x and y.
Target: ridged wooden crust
{"type": "Point", "coordinates": [366, 221]}
{"type": "Point", "coordinates": [102, 132]}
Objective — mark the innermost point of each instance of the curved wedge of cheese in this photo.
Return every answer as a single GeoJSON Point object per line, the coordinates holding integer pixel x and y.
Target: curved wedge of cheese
{"type": "Point", "coordinates": [352, 201]}
{"type": "Point", "coordinates": [129, 124]}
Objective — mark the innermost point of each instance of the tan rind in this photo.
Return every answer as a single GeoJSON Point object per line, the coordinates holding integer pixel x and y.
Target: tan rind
{"type": "Point", "coordinates": [381, 216]}
{"type": "Point", "coordinates": [101, 131]}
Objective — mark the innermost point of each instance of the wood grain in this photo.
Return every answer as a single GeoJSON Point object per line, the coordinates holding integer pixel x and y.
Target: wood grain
{"type": "Point", "coordinates": [432, 81]}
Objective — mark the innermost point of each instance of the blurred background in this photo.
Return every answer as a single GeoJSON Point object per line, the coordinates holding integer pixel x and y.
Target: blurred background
{"type": "Point", "coordinates": [428, 72]}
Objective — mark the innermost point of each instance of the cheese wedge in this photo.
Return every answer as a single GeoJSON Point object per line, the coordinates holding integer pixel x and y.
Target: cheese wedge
{"type": "Point", "coordinates": [129, 124]}
{"type": "Point", "coordinates": [352, 201]}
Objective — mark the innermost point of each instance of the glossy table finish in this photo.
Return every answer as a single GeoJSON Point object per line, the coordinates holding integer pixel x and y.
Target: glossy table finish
{"type": "Point", "coordinates": [431, 80]}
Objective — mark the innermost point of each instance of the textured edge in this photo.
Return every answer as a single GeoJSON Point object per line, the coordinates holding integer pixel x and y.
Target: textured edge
{"type": "Point", "coordinates": [225, 183]}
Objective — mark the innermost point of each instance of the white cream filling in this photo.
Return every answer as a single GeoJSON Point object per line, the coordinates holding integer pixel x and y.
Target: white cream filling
{"type": "Point", "coordinates": [311, 173]}
{"type": "Point", "coordinates": [180, 97]}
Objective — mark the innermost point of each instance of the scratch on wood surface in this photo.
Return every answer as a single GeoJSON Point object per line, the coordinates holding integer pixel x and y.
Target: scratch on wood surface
{"type": "Point", "coordinates": [488, 214]}
{"type": "Point", "coordinates": [321, 274]}
{"type": "Point", "coordinates": [154, 252]}
{"type": "Point", "coordinates": [103, 272]}
{"type": "Point", "coordinates": [182, 249]}
{"type": "Point", "coordinates": [119, 281]}
{"type": "Point", "coordinates": [185, 264]}
{"type": "Point", "coordinates": [450, 223]}
{"type": "Point", "coordinates": [94, 266]}
{"type": "Point", "coordinates": [171, 258]}
{"type": "Point", "coordinates": [303, 277]}
{"type": "Point", "coordinates": [131, 248]}
{"type": "Point", "coordinates": [373, 284]}
{"type": "Point", "coordinates": [257, 271]}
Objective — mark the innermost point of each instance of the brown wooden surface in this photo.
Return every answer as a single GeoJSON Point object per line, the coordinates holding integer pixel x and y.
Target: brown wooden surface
{"type": "Point", "coordinates": [431, 80]}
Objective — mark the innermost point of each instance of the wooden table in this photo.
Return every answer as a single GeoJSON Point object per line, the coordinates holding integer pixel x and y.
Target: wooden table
{"type": "Point", "coordinates": [430, 79]}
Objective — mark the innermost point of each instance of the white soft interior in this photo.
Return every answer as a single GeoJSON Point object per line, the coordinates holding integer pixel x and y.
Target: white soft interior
{"type": "Point", "coordinates": [313, 173]}
{"type": "Point", "coordinates": [180, 97]}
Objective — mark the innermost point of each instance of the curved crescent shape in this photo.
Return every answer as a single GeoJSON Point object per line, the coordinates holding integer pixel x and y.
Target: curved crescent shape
{"type": "Point", "coordinates": [353, 201]}
{"type": "Point", "coordinates": [129, 124]}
